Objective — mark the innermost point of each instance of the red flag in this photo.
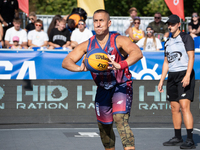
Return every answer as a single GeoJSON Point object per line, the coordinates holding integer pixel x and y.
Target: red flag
{"type": "Point", "coordinates": [24, 6]}
{"type": "Point", "coordinates": [176, 7]}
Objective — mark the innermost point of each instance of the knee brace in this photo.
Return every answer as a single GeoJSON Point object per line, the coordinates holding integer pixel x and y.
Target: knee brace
{"type": "Point", "coordinates": [107, 135]}
{"type": "Point", "coordinates": [125, 132]}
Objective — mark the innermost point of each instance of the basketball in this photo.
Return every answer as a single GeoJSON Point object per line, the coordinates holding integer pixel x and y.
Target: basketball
{"type": "Point", "coordinates": [96, 60]}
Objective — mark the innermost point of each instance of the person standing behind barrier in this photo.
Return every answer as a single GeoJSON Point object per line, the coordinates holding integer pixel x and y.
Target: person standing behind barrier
{"type": "Point", "coordinates": [37, 37]}
{"type": "Point", "coordinates": [194, 25]}
{"type": "Point", "coordinates": [135, 34]}
{"type": "Point", "coordinates": [81, 34]}
{"type": "Point", "coordinates": [1, 36]}
{"type": "Point", "coordinates": [160, 28]}
{"type": "Point", "coordinates": [114, 93]}
{"type": "Point", "coordinates": [31, 26]}
{"type": "Point", "coordinates": [179, 61]}
{"type": "Point", "coordinates": [16, 31]}
{"type": "Point", "coordinates": [60, 37]}
{"type": "Point", "coordinates": [9, 9]}
{"type": "Point", "coordinates": [129, 23]}
{"type": "Point", "coordinates": [150, 42]}
{"type": "Point", "coordinates": [54, 23]}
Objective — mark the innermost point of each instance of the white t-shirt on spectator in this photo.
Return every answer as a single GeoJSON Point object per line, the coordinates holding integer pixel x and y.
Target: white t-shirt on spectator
{"type": "Point", "coordinates": [80, 37]}
{"type": "Point", "coordinates": [11, 32]}
{"type": "Point", "coordinates": [38, 38]}
{"type": "Point", "coordinates": [150, 44]}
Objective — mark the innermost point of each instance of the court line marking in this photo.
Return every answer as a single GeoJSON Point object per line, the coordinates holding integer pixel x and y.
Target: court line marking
{"type": "Point", "coordinates": [34, 129]}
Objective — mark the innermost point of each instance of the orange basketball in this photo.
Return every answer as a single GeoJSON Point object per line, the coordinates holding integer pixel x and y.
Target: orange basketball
{"type": "Point", "coordinates": [96, 60]}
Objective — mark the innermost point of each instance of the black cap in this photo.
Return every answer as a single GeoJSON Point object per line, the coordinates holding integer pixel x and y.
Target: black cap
{"type": "Point", "coordinates": [173, 19]}
{"type": "Point", "coordinates": [150, 27]}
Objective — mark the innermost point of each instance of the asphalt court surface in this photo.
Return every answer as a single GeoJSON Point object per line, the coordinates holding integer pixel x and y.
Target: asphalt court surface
{"type": "Point", "coordinates": [51, 138]}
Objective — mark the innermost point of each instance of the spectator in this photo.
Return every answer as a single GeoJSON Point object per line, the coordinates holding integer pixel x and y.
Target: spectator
{"type": "Point", "coordinates": [194, 25]}
{"type": "Point", "coordinates": [135, 34]}
{"type": "Point", "coordinates": [8, 11]}
{"type": "Point", "coordinates": [31, 26]}
{"type": "Point", "coordinates": [16, 43]}
{"type": "Point", "coordinates": [37, 37]}
{"type": "Point", "coordinates": [160, 28]}
{"type": "Point", "coordinates": [1, 36]}
{"type": "Point", "coordinates": [77, 14]}
{"type": "Point", "coordinates": [54, 23]}
{"type": "Point", "coordinates": [16, 31]}
{"type": "Point", "coordinates": [81, 34]}
{"type": "Point", "coordinates": [129, 23]}
{"type": "Point", "coordinates": [150, 42]}
{"type": "Point", "coordinates": [60, 37]}
{"type": "Point", "coordinates": [70, 25]}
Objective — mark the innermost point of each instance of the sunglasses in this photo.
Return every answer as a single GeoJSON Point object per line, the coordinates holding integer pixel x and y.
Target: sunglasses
{"type": "Point", "coordinates": [136, 22]}
{"type": "Point", "coordinates": [38, 25]}
{"type": "Point", "coordinates": [157, 17]}
{"type": "Point", "coordinates": [194, 16]}
{"type": "Point", "coordinates": [31, 18]}
{"type": "Point", "coordinates": [81, 23]}
{"type": "Point", "coordinates": [15, 41]}
{"type": "Point", "coordinates": [150, 31]}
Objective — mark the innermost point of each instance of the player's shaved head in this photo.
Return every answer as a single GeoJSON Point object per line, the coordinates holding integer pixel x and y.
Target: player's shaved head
{"type": "Point", "coordinates": [102, 11]}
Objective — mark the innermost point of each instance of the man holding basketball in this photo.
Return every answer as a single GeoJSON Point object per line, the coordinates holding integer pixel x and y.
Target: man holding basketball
{"type": "Point", "coordinates": [114, 93]}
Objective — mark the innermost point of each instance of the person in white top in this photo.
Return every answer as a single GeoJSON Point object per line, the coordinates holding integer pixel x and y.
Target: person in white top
{"type": "Point", "coordinates": [81, 34]}
{"type": "Point", "coordinates": [149, 42]}
{"type": "Point", "coordinates": [130, 23]}
{"type": "Point", "coordinates": [37, 37]}
{"type": "Point", "coordinates": [16, 31]}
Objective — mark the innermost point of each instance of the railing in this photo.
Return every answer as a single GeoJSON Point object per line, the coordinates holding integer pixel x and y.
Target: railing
{"type": "Point", "coordinates": [116, 25]}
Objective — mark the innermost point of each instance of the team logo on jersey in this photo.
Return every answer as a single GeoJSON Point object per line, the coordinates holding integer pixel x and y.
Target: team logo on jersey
{"type": "Point", "coordinates": [174, 56]}
{"type": "Point", "coordinates": [110, 49]}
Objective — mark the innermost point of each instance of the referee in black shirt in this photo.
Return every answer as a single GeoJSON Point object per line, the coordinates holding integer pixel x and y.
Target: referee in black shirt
{"type": "Point", "coordinates": [178, 63]}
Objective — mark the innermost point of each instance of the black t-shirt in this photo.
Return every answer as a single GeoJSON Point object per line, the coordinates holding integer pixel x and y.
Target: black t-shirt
{"type": "Point", "coordinates": [195, 26]}
{"type": "Point", "coordinates": [7, 9]}
{"type": "Point", "coordinates": [59, 37]}
{"type": "Point", "coordinates": [30, 27]}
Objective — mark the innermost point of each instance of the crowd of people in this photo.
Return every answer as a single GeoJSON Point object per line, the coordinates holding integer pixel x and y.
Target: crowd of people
{"type": "Point", "coordinates": [114, 93]}
{"type": "Point", "coordinates": [60, 34]}
{"type": "Point", "coordinates": [67, 32]}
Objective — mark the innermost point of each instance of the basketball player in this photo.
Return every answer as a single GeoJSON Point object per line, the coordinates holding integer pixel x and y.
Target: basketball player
{"type": "Point", "coordinates": [114, 93]}
{"type": "Point", "coordinates": [179, 60]}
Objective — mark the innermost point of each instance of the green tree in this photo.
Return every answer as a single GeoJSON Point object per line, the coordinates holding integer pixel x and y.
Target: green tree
{"type": "Point", "coordinates": [121, 7]}
{"type": "Point", "coordinates": [53, 7]}
{"type": "Point", "coordinates": [156, 6]}
{"type": "Point", "coordinates": [114, 7]}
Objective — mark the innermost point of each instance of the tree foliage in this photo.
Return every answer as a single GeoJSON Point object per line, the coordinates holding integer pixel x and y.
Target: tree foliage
{"type": "Point", "coordinates": [114, 7]}
{"type": "Point", "coordinates": [53, 7]}
{"type": "Point", "coordinates": [156, 6]}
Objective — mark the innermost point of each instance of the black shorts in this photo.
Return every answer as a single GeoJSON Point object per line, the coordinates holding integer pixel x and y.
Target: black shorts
{"type": "Point", "coordinates": [175, 91]}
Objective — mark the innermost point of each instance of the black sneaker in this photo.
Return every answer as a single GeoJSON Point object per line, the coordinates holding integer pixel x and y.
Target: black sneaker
{"type": "Point", "coordinates": [174, 142]}
{"type": "Point", "coordinates": [188, 144]}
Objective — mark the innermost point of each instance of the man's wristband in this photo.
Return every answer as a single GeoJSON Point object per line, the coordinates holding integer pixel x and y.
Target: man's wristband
{"type": "Point", "coordinates": [123, 64]}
